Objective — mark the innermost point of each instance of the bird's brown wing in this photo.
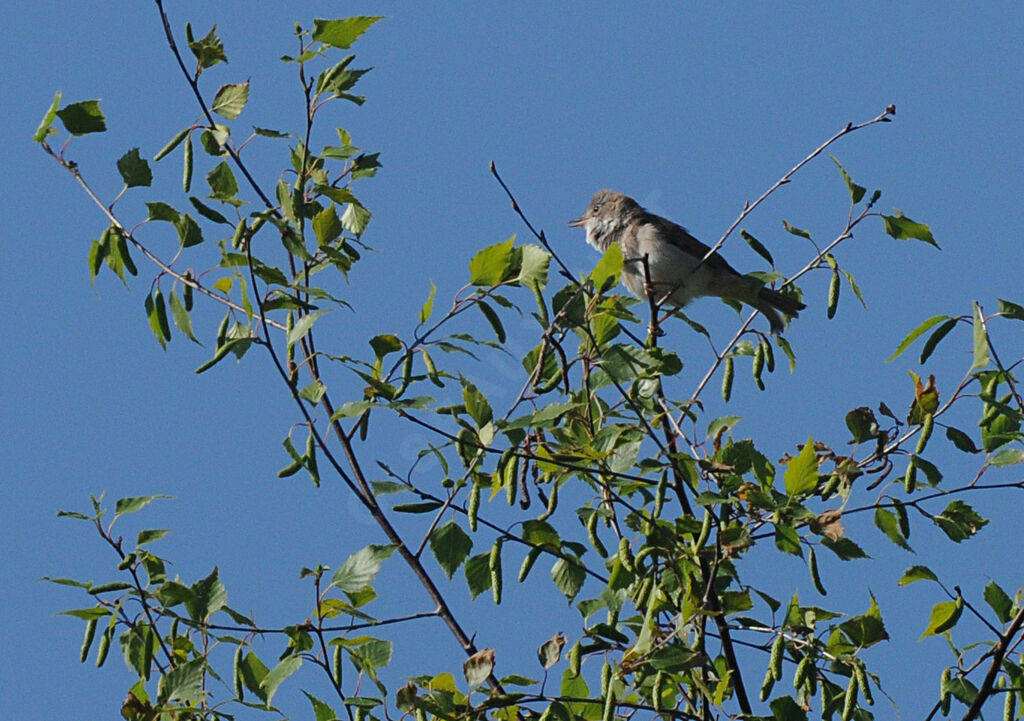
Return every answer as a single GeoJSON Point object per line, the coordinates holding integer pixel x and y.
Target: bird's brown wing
{"type": "Point", "coordinates": [680, 237]}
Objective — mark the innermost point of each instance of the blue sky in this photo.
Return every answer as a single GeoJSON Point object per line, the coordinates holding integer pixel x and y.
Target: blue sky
{"type": "Point", "coordinates": [691, 108]}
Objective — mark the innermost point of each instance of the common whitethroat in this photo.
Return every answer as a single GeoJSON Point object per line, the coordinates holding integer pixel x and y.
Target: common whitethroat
{"type": "Point", "coordinates": [676, 262]}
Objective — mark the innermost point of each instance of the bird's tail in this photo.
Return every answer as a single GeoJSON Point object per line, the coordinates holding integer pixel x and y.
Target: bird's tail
{"type": "Point", "coordinates": [769, 301]}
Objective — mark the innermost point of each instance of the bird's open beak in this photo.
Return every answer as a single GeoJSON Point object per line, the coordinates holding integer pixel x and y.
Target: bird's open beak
{"type": "Point", "coordinates": [578, 222]}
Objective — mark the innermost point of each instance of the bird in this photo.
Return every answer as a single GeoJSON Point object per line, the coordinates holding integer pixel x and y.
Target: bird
{"type": "Point", "coordinates": [679, 265]}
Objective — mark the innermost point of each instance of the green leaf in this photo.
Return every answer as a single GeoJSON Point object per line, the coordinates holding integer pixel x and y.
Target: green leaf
{"type": "Point", "coordinates": [150, 535]}
{"type": "Point", "coordinates": [159, 210]}
{"type": "Point", "coordinates": [862, 424]}
{"type": "Point", "coordinates": [428, 306]}
{"type": "Point", "coordinates": [888, 524]}
{"type": "Point", "coordinates": [273, 680]}
{"type": "Point", "coordinates": [568, 577]}
{"type": "Point", "coordinates": [303, 325]}
{"type": "Point", "coordinates": [209, 213]}
{"type": "Point", "coordinates": [156, 313]}
{"type": "Point", "coordinates": [944, 617]}
{"type": "Point", "coordinates": [424, 507]}
{"type": "Point", "coordinates": [342, 33]}
{"type": "Point", "coordinates": [801, 474]}
{"type": "Point", "coordinates": [355, 218]}
{"type": "Point", "coordinates": [208, 50]}
{"type": "Point", "coordinates": [476, 403]}
{"type": "Point", "coordinates": [541, 533]}
{"type": "Point", "coordinates": [787, 539]}
{"type": "Point", "coordinates": [327, 225]}
{"type": "Point", "coordinates": [1011, 310]}
{"type": "Point", "coordinates": [208, 596]}
{"type": "Point", "coordinates": [230, 100]}
{"type": "Point", "coordinates": [86, 614]}
{"type": "Point", "coordinates": [758, 247]}
{"type": "Point", "coordinates": [321, 711]}
{"type": "Point", "coordinates": [490, 266]}
{"type": "Point", "coordinates": [188, 230]}
{"type": "Point", "coordinates": [959, 521]}
{"type": "Point", "coordinates": [917, 573]}
{"type": "Point", "coordinates": [795, 231]}
{"type": "Point", "coordinates": [856, 191]}
{"type": "Point", "coordinates": [253, 674]}
{"type": "Point", "coordinates": [45, 125]}
{"type": "Point", "coordinates": [221, 180]}
{"type": "Point", "coordinates": [451, 545]}
{"type": "Point", "coordinates": [313, 392]}
{"type": "Point", "coordinates": [182, 320]}
{"type": "Point", "coordinates": [981, 357]}
{"type": "Point", "coordinates": [915, 334]}
{"type": "Point", "coordinates": [493, 319]}
{"type": "Point", "coordinates": [901, 227]}
{"type": "Point", "coordinates": [1000, 602]}
{"type": "Point", "coordinates": [83, 118]}
{"type": "Point", "coordinates": [183, 681]}
{"type": "Point", "coordinates": [607, 271]}
{"type": "Point", "coordinates": [131, 504]}
{"type": "Point", "coordinates": [961, 440]}
{"type": "Point", "coordinates": [844, 548]}
{"type": "Point", "coordinates": [533, 270]}
{"type": "Point", "coordinates": [1008, 457]}
{"type": "Point", "coordinates": [933, 340]}
{"type": "Point", "coordinates": [784, 708]}
{"type": "Point", "coordinates": [360, 568]}
{"type": "Point", "coordinates": [478, 573]}
{"type": "Point", "coordinates": [134, 169]}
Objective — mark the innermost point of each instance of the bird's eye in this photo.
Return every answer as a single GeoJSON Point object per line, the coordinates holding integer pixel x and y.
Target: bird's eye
{"type": "Point", "coordinates": [595, 207]}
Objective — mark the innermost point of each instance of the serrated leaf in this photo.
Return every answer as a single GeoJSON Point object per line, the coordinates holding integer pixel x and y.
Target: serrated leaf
{"type": "Point", "coordinates": [188, 230]}
{"type": "Point", "coordinates": [327, 225]}
{"type": "Point", "coordinates": [1008, 457]}
{"type": "Point", "coordinates": [134, 169]}
{"type": "Point", "coordinates": [230, 100]}
{"type": "Point", "coordinates": [451, 546]}
{"type": "Point", "coordinates": [801, 474]}
{"type": "Point", "coordinates": [1000, 602]}
{"type": "Point", "coordinates": [223, 185]}
{"type": "Point", "coordinates": [568, 577]}
{"type": "Point", "coordinates": [273, 680]}
{"type": "Point", "coordinates": [342, 33]}
{"type": "Point", "coordinates": [355, 218]}
{"type": "Point", "coordinates": [959, 521]}
{"type": "Point", "coordinates": [490, 265]}
{"type": "Point", "coordinates": [183, 681]}
{"type": "Point", "coordinates": [83, 117]}
{"type": "Point", "coordinates": [209, 50]}
{"type": "Point", "coordinates": [901, 227]}
{"type": "Point", "coordinates": [321, 711]}
{"type": "Point", "coordinates": [888, 524]}
{"type": "Point", "coordinates": [478, 573]}
{"type": "Point", "coordinates": [253, 674]}
{"type": "Point", "coordinates": [361, 567]}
